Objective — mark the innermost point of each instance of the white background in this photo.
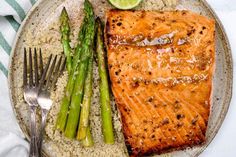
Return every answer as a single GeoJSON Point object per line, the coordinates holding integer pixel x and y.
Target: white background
{"type": "Point", "coordinates": [224, 144]}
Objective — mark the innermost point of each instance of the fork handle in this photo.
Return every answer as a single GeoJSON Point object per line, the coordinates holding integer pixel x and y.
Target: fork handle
{"type": "Point", "coordinates": [33, 139]}
{"type": "Point", "coordinates": [44, 113]}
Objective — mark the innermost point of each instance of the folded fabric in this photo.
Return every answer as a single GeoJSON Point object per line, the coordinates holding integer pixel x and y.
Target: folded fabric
{"type": "Point", "coordinates": [12, 142]}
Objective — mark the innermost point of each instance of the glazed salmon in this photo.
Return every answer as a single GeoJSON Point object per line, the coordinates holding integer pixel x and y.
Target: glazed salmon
{"type": "Point", "coordinates": [161, 67]}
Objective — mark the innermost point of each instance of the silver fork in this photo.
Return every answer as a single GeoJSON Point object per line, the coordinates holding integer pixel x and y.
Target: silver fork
{"type": "Point", "coordinates": [31, 88]}
{"type": "Point", "coordinates": [47, 83]}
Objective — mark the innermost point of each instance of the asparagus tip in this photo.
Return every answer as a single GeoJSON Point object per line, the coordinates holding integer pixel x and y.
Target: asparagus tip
{"type": "Point", "coordinates": [64, 18]}
{"type": "Point", "coordinates": [64, 12]}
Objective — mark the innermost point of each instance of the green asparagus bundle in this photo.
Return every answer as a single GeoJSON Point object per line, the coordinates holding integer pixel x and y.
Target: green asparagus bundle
{"type": "Point", "coordinates": [88, 90]}
{"type": "Point", "coordinates": [84, 132]}
{"type": "Point", "coordinates": [106, 112]}
{"type": "Point", "coordinates": [77, 94]}
{"type": "Point", "coordinates": [79, 86]}
{"type": "Point", "coordinates": [63, 114]}
{"type": "Point", "coordinates": [65, 38]}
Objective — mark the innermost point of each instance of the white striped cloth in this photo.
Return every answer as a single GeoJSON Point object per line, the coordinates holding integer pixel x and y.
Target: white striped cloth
{"type": "Point", "coordinates": [12, 143]}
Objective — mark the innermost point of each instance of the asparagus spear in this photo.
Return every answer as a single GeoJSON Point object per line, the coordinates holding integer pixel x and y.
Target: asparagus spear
{"type": "Point", "coordinates": [84, 115]}
{"type": "Point", "coordinates": [106, 112]}
{"type": "Point", "coordinates": [62, 116]}
{"type": "Point", "coordinates": [65, 39]}
{"type": "Point", "coordinates": [77, 94]}
{"type": "Point", "coordinates": [88, 141]}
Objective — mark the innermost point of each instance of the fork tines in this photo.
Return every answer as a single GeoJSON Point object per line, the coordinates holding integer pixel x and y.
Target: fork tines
{"type": "Point", "coordinates": [28, 67]}
{"type": "Point", "coordinates": [35, 74]}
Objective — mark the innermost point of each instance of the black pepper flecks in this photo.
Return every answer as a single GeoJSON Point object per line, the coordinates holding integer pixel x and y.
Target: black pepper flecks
{"type": "Point", "coordinates": [179, 124]}
{"type": "Point", "coordinates": [194, 121]}
{"type": "Point", "coordinates": [179, 116]}
{"type": "Point", "coordinates": [165, 121]}
{"type": "Point", "coordinates": [150, 99]}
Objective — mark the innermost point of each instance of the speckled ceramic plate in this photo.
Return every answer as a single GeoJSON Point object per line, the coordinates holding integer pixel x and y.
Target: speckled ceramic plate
{"type": "Point", "coordinates": [45, 12]}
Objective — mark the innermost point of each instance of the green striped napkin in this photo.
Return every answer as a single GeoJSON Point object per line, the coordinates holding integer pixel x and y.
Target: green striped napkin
{"type": "Point", "coordinates": [12, 13]}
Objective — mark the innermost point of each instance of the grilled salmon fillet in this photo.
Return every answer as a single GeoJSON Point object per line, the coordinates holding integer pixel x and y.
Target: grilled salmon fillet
{"type": "Point", "coordinates": [161, 66]}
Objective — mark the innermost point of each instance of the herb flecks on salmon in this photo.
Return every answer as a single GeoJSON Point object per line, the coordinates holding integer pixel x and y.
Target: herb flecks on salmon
{"type": "Point", "coordinates": [161, 66]}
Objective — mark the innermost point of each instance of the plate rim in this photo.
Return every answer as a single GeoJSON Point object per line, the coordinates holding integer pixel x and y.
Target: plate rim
{"type": "Point", "coordinates": [10, 64]}
{"type": "Point", "coordinates": [229, 66]}
{"type": "Point", "coordinates": [230, 78]}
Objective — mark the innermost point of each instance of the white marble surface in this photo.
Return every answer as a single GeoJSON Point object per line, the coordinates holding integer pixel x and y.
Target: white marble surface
{"type": "Point", "coordinates": [224, 144]}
